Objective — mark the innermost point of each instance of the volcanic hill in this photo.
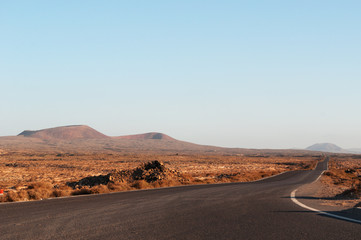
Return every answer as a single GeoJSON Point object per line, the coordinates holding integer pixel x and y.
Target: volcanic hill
{"type": "Point", "coordinates": [65, 133]}
{"type": "Point", "coordinates": [325, 147]}
{"type": "Point", "coordinates": [145, 136]}
{"type": "Point", "coordinates": [84, 139]}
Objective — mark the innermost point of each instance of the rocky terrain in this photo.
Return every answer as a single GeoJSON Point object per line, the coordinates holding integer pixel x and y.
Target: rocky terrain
{"type": "Point", "coordinates": [149, 172]}
{"type": "Point", "coordinates": [80, 160]}
{"type": "Point", "coordinates": [38, 175]}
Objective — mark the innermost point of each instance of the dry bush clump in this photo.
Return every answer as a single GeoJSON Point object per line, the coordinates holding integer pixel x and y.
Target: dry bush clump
{"type": "Point", "coordinates": [62, 191]}
{"type": "Point", "coordinates": [118, 187]}
{"type": "Point", "coordinates": [82, 191]}
{"type": "Point", "coordinates": [100, 189]}
{"type": "Point", "coordinates": [34, 191]}
{"type": "Point", "coordinates": [140, 184]}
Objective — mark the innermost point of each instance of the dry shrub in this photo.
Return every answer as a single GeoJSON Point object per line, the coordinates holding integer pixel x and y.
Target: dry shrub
{"type": "Point", "coordinates": [12, 197]}
{"type": "Point", "coordinates": [188, 177]}
{"type": "Point", "coordinates": [62, 191]}
{"type": "Point", "coordinates": [141, 184]}
{"type": "Point", "coordinates": [40, 190]}
{"type": "Point", "coordinates": [35, 195]}
{"type": "Point", "coordinates": [155, 184]}
{"type": "Point", "coordinates": [99, 189]}
{"type": "Point", "coordinates": [40, 185]}
{"type": "Point", "coordinates": [115, 187]}
{"type": "Point", "coordinates": [82, 191]}
{"type": "Point", "coordinates": [164, 183]}
{"type": "Point", "coordinates": [35, 191]}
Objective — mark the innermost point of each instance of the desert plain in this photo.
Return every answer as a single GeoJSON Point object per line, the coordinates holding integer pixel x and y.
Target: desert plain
{"type": "Point", "coordinates": [77, 160]}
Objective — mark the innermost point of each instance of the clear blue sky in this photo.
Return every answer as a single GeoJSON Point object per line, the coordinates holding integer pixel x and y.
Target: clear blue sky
{"type": "Point", "coordinates": [260, 74]}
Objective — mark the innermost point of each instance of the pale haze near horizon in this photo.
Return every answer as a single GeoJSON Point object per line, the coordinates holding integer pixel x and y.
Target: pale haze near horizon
{"type": "Point", "coordinates": [254, 74]}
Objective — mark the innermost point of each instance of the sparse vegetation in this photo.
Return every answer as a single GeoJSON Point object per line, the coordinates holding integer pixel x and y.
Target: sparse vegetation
{"type": "Point", "coordinates": [34, 176]}
{"type": "Point", "coordinates": [343, 179]}
{"type": "Point", "coordinates": [75, 160]}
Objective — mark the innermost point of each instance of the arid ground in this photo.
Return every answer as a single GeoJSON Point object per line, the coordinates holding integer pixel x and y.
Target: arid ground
{"type": "Point", "coordinates": [22, 173]}
{"type": "Point", "coordinates": [75, 160]}
{"type": "Point", "coordinates": [341, 184]}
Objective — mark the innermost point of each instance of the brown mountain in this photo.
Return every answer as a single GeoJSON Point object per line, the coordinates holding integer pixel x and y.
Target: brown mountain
{"type": "Point", "coordinates": [65, 133]}
{"type": "Point", "coordinates": [146, 136]}
{"type": "Point", "coordinates": [80, 138]}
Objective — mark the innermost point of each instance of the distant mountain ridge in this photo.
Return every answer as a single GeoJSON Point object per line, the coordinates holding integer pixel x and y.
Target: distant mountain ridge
{"type": "Point", "coordinates": [74, 132]}
{"type": "Point", "coordinates": [332, 148]}
{"type": "Point", "coordinates": [151, 135]}
{"type": "Point", "coordinates": [85, 137]}
{"type": "Point", "coordinates": [325, 147]}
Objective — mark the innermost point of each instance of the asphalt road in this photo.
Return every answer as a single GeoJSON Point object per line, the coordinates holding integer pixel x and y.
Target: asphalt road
{"type": "Point", "coordinates": [258, 210]}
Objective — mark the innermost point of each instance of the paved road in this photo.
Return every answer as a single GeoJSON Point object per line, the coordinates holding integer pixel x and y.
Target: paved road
{"type": "Point", "coordinates": [259, 210]}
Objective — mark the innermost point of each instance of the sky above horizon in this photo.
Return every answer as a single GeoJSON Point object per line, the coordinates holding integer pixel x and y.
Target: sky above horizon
{"type": "Point", "coordinates": [253, 74]}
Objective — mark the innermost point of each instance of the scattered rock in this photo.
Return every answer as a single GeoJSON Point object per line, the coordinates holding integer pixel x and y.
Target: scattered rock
{"type": "Point", "coordinates": [149, 172]}
{"type": "Point", "coordinates": [16, 165]}
{"type": "Point", "coordinates": [354, 192]}
{"type": "Point", "coordinates": [349, 170]}
{"type": "Point", "coordinates": [90, 181]}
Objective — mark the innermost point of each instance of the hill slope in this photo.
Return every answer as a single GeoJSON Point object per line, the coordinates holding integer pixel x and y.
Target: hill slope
{"type": "Point", "coordinates": [65, 133]}
{"type": "Point", "coordinates": [81, 138]}
{"type": "Point", "coordinates": [325, 147]}
{"type": "Point", "coordinates": [145, 136]}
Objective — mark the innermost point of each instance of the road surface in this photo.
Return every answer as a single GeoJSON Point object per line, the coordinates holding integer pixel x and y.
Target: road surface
{"type": "Point", "coordinates": [258, 210]}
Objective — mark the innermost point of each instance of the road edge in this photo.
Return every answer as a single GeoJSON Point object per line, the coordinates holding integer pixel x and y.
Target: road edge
{"type": "Point", "coordinates": [146, 189]}
{"type": "Point", "coordinates": [294, 199]}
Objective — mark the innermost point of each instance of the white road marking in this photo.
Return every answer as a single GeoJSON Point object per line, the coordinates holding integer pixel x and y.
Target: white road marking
{"type": "Point", "coordinates": [319, 177]}
{"type": "Point", "coordinates": [294, 199]}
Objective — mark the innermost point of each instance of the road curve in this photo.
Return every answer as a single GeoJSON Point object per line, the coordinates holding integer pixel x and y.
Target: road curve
{"type": "Point", "coordinates": [258, 210]}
